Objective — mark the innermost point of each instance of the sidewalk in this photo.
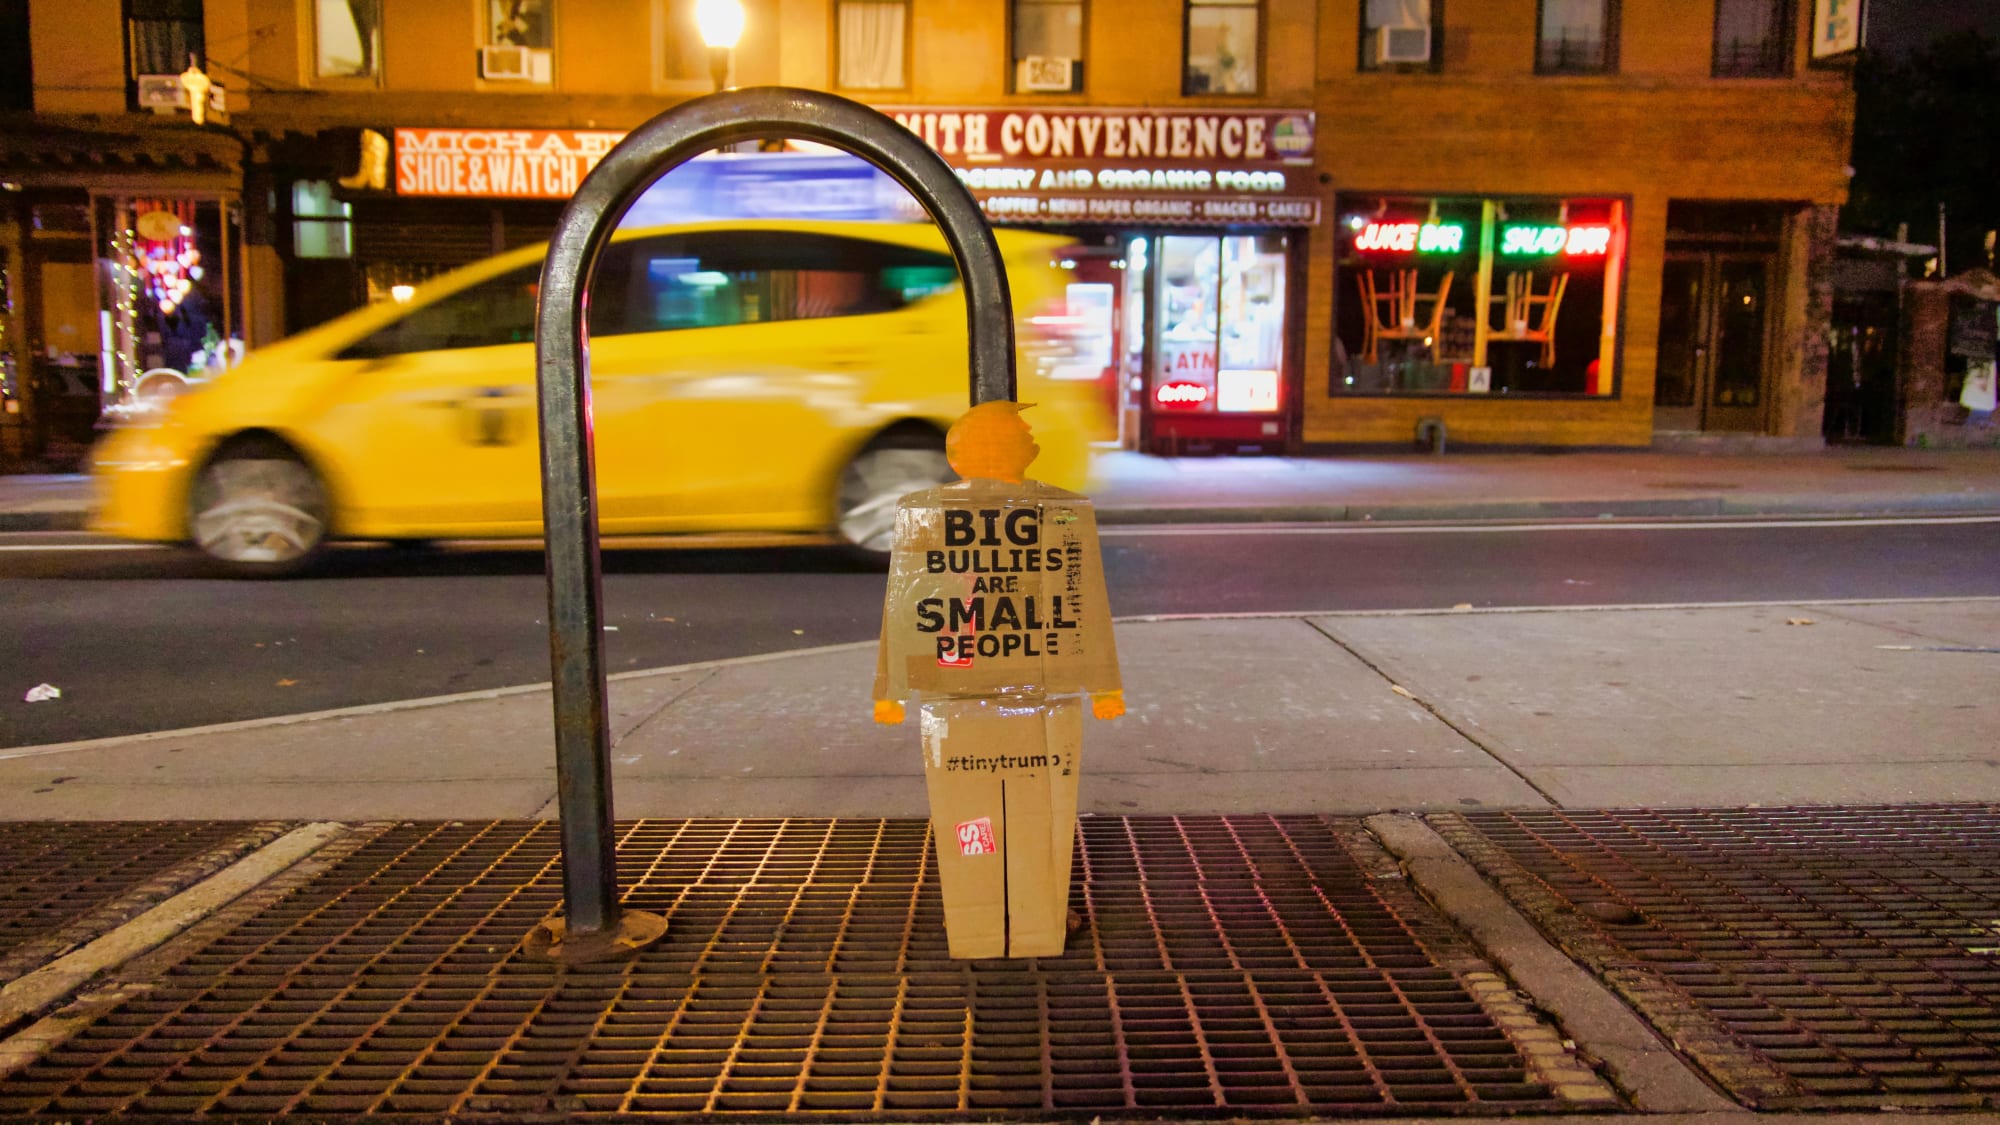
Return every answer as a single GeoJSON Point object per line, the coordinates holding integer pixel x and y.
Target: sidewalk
{"type": "Point", "coordinates": [1135, 488]}
{"type": "Point", "coordinates": [1682, 861]}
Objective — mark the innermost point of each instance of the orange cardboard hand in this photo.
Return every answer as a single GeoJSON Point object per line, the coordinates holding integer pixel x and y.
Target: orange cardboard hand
{"type": "Point", "coordinates": [888, 712]}
{"type": "Point", "coordinates": [1107, 704]}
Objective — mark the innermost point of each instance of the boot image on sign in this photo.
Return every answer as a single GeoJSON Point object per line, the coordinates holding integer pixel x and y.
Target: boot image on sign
{"type": "Point", "coordinates": [996, 625]}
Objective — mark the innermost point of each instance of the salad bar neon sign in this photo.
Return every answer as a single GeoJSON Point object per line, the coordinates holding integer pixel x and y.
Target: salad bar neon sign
{"type": "Point", "coordinates": [1592, 240]}
{"type": "Point", "coordinates": [1449, 238]}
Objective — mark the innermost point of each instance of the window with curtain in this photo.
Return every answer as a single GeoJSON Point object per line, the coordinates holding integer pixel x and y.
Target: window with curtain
{"type": "Point", "coordinates": [1401, 33]}
{"type": "Point", "coordinates": [1219, 49]}
{"type": "Point", "coordinates": [519, 23]}
{"type": "Point", "coordinates": [1577, 37]}
{"type": "Point", "coordinates": [871, 37]}
{"type": "Point", "coordinates": [162, 35]}
{"type": "Point", "coordinates": [1753, 38]}
{"type": "Point", "coordinates": [348, 38]}
{"type": "Point", "coordinates": [1048, 45]}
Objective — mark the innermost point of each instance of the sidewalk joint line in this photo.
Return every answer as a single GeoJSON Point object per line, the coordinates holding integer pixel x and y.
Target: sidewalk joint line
{"type": "Point", "coordinates": [1437, 714]}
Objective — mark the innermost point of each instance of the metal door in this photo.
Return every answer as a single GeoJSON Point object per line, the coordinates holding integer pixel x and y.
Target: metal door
{"type": "Point", "coordinates": [1714, 345]}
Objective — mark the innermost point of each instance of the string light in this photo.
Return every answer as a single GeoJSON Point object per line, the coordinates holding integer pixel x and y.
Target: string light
{"type": "Point", "coordinates": [128, 282]}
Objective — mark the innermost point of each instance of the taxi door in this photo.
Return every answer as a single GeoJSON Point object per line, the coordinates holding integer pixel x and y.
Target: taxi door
{"type": "Point", "coordinates": [742, 364]}
{"type": "Point", "coordinates": [435, 433]}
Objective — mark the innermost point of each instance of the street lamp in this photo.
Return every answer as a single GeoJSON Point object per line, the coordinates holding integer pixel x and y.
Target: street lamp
{"type": "Point", "coordinates": [721, 23]}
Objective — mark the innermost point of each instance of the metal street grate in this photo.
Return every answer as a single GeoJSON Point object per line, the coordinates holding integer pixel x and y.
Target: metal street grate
{"type": "Point", "coordinates": [54, 873]}
{"type": "Point", "coordinates": [1809, 957]}
{"type": "Point", "coordinates": [1227, 966]}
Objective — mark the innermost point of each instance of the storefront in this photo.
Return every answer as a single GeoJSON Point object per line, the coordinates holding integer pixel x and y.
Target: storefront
{"type": "Point", "coordinates": [1492, 296]}
{"type": "Point", "coordinates": [1188, 226]}
{"type": "Point", "coordinates": [1190, 230]}
{"type": "Point", "coordinates": [121, 263]}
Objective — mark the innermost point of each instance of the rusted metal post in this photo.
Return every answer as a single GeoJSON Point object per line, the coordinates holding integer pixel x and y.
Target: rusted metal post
{"type": "Point", "coordinates": [594, 926]}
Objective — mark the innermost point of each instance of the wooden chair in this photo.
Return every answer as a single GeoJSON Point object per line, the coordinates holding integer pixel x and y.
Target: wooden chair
{"type": "Point", "coordinates": [1531, 316]}
{"type": "Point", "coordinates": [1400, 302]}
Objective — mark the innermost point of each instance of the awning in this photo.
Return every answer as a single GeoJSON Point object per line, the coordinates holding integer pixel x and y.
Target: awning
{"type": "Point", "coordinates": [122, 154]}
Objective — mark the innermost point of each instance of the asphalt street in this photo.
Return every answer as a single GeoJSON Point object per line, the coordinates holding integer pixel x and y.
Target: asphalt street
{"type": "Point", "coordinates": [141, 639]}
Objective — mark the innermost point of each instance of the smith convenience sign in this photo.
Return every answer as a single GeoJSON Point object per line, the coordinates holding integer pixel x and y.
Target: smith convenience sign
{"type": "Point", "coordinates": [1069, 165]}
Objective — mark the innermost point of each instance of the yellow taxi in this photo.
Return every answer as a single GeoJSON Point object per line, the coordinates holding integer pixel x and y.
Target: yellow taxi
{"type": "Point", "coordinates": [791, 377]}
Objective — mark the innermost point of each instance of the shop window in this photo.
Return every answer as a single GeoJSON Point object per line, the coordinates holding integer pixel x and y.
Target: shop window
{"type": "Point", "coordinates": [1753, 38]}
{"type": "Point", "coordinates": [347, 37]}
{"type": "Point", "coordinates": [520, 41]}
{"type": "Point", "coordinates": [162, 36]}
{"type": "Point", "coordinates": [1221, 324]}
{"type": "Point", "coordinates": [1577, 37]}
{"type": "Point", "coordinates": [728, 278]}
{"type": "Point", "coordinates": [1047, 44]}
{"type": "Point", "coordinates": [872, 42]}
{"type": "Point", "coordinates": [322, 226]}
{"type": "Point", "coordinates": [1477, 296]}
{"type": "Point", "coordinates": [1402, 34]}
{"type": "Point", "coordinates": [1219, 48]}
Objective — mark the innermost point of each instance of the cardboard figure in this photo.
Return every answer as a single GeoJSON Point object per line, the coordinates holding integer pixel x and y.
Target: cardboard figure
{"type": "Point", "coordinates": [996, 624]}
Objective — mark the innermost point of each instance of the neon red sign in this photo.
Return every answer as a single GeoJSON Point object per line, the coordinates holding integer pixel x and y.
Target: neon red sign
{"type": "Point", "coordinates": [1181, 395]}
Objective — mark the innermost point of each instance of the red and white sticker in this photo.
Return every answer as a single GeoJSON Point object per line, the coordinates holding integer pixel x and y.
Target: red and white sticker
{"type": "Point", "coordinates": [975, 837]}
{"type": "Point", "coordinates": [961, 653]}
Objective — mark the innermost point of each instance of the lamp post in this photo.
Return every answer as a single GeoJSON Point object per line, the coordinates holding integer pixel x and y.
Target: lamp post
{"type": "Point", "coordinates": [721, 23]}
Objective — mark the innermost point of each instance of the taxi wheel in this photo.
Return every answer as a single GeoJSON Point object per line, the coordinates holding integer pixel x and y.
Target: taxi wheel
{"type": "Point", "coordinates": [891, 467]}
{"type": "Point", "coordinates": [259, 511]}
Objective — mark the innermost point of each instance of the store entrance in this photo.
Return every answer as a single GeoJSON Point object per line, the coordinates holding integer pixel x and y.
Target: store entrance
{"type": "Point", "coordinates": [1215, 362]}
{"type": "Point", "coordinates": [1714, 348]}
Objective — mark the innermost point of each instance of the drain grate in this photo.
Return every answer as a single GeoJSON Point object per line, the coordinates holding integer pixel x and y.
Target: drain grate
{"type": "Point", "coordinates": [55, 872]}
{"type": "Point", "coordinates": [1227, 966]}
{"type": "Point", "coordinates": [1810, 957]}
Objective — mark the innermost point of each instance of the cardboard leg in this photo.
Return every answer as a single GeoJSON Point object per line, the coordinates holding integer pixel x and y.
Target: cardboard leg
{"type": "Point", "coordinates": [1035, 904]}
{"type": "Point", "coordinates": [1065, 737]}
{"type": "Point", "coordinates": [973, 885]}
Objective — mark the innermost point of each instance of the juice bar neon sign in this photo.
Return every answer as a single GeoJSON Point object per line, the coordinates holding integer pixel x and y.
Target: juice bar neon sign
{"type": "Point", "coordinates": [1449, 238]}
{"type": "Point", "coordinates": [1426, 238]}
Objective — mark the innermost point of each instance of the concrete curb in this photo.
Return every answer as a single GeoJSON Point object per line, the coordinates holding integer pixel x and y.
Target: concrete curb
{"type": "Point", "coordinates": [1690, 507]}
{"type": "Point", "coordinates": [73, 519]}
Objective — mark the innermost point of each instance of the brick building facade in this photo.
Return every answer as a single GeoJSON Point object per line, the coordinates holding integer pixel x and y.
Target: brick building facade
{"type": "Point", "coordinates": [1298, 225]}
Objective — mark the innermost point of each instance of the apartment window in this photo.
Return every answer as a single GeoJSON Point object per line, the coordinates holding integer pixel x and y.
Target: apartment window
{"type": "Point", "coordinates": [1578, 37]}
{"type": "Point", "coordinates": [17, 75]}
{"type": "Point", "coordinates": [1047, 38]}
{"type": "Point", "coordinates": [1219, 48]}
{"type": "Point", "coordinates": [348, 38]}
{"type": "Point", "coordinates": [1753, 38]}
{"type": "Point", "coordinates": [163, 36]}
{"type": "Point", "coordinates": [1401, 34]}
{"type": "Point", "coordinates": [322, 226]}
{"type": "Point", "coordinates": [519, 38]}
{"type": "Point", "coordinates": [872, 38]}
{"type": "Point", "coordinates": [687, 58]}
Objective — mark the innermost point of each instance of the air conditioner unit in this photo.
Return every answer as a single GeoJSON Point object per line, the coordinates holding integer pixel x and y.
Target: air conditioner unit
{"type": "Point", "coordinates": [1403, 44]}
{"type": "Point", "coordinates": [514, 64]}
{"type": "Point", "coordinates": [162, 92]}
{"type": "Point", "coordinates": [1046, 73]}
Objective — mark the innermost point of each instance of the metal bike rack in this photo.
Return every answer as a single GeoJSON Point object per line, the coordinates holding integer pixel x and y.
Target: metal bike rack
{"type": "Point", "coordinates": [594, 927]}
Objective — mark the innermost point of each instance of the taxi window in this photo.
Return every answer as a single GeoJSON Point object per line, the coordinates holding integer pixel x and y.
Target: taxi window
{"type": "Point", "coordinates": [713, 279]}
{"type": "Point", "coordinates": [500, 310]}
